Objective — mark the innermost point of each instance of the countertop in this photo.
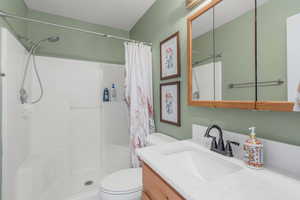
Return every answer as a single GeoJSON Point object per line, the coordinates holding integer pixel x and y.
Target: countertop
{"type": "Point", "coordinates": [245, 184]}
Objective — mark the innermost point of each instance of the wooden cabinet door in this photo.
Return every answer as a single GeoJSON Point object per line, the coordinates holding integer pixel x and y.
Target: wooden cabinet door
{"type": "Point", "coordinates": [145, 196]}
{"type": "Point", "coordinates": [155, 188]}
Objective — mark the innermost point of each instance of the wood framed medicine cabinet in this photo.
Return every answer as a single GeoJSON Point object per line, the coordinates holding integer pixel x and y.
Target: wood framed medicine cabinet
{"type": "Point", "coordinates": [213, 15]}
{"type": "Point", "coordinates": [192, 3]}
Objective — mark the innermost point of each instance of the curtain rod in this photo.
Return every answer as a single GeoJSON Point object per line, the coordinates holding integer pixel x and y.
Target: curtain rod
{"type": "Point", "coordinates": [5, 14]}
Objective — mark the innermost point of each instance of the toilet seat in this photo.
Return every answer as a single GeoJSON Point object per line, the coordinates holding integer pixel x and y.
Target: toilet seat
{"type": "Point", "coordinates": [122, 184]}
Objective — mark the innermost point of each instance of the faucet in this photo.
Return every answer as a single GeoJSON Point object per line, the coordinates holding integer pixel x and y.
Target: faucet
{"type": "Point", "coordinates": [219, 146]}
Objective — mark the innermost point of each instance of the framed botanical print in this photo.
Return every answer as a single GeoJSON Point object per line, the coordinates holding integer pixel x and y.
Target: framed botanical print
{"type": "Point", "coordinates": [170, 103]}
{"type": "Point", "coordinates": [170, 57]}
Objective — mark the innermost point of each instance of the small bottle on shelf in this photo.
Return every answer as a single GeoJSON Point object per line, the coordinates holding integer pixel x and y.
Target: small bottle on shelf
{"type": "Point", "coordinates": [113, 92]}
{"type": "Point", "coordinates": [106, 95]}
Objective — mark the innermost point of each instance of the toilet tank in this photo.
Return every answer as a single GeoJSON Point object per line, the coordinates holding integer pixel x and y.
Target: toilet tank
{"type": "Point", "coordinates": [159, 138]}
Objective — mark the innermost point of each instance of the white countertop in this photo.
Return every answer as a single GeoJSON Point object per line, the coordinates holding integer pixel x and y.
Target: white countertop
{"type": "Point", "coordinates": [245, 184]}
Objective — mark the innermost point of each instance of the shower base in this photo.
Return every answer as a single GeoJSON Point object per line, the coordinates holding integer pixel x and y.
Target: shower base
{"type": "Point", "coordinates": [91, 195]}
{"type": "Point", "coordinates": [47, 178]}
{"type": "Point", "coordinates": [74, 188]}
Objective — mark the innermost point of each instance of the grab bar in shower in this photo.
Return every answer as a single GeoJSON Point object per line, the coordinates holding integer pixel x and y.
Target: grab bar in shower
{"type": "Point", "coordinates": [259, 84]}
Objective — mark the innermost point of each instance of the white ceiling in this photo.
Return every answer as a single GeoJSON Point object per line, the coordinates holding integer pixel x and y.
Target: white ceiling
{"type": "Point", "coordinates": [122, 14]}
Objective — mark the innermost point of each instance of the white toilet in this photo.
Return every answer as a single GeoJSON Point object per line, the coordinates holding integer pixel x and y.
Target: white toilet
{"type": "Point", "coordinates": [127, 184]}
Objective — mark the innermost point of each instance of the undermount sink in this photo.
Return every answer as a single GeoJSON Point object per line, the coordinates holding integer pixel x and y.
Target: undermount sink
{"type": "Point", "coordinates": [204, 165]}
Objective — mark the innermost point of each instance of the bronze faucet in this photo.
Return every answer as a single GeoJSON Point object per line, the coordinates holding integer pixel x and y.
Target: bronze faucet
{"type": "Point", "coordinates": [219, 147]}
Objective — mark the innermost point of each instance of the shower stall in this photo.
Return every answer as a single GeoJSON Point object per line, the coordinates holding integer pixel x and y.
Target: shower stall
{"type": "Point", "coordinates": [60, 147]}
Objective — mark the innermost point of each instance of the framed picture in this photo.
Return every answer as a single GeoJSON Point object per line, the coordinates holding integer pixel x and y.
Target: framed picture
{"type": "Point", "coordinates": [170, 57]}
{"type": "Point", "coordinates": [170, 103]}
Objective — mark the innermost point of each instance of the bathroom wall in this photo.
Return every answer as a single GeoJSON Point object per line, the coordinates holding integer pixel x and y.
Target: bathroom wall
{"type": "Point", "coordinates": [15, 7]}
{"type": "Point", "coordinates": [166, 18]}
{"type": "Point", "coordinates": [74, 44]}
{"type": "Point", "coordinates": [15, 133]}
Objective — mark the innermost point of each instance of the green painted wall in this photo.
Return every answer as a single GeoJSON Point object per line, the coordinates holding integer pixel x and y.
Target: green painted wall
{"type": "Point", "coordinates": [165, 18]}
{"type": "Point", "coordinates": [15, 7]}
{"type": "Point", "coordinates": [74, 44]}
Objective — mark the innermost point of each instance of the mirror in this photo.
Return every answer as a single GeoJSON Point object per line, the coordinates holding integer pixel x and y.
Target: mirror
{"type": "Point", "coordinates": [244, 54]}
{"type": "Point", "coordinates": [222, 55]}
{"type": "Point", "coordinates": [278, 31]}
{"type": "Point", "coordinates": [235, 49]}
{"type": "Point", "coordinates": [203, 52]}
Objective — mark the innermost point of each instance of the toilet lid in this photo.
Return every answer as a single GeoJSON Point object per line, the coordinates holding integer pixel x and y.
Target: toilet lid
{"type": "Point", "coordinates": [123, 181]}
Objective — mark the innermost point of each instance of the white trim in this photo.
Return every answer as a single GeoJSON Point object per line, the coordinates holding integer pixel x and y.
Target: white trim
{"type": "Point", "coordinates": [3, 53]}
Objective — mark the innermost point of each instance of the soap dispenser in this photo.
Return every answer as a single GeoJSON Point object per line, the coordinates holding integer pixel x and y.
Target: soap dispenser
{"type": "Point", "coordinates": [253, 151]}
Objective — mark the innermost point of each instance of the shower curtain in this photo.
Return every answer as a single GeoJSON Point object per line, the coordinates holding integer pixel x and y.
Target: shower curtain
{"type": "Point", "coordinates": [138, 95]}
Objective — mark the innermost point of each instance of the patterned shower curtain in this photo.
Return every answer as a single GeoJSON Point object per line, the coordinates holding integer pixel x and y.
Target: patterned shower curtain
{"type": "Point", "coordinates": [139, 96]}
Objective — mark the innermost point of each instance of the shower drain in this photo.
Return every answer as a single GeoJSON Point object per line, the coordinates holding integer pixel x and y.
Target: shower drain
{"type": "Point", "coordinates": [87, 183]}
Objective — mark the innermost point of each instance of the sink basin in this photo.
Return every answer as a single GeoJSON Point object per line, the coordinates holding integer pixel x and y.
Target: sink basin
{"type": "Point", "coordinates": [204, 165]}
{"type": "Point", "coordinates": [196, 173]}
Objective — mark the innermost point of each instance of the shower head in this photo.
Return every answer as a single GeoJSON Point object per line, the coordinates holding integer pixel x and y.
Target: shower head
{"type": "Point", "coordinates": [53, 39]}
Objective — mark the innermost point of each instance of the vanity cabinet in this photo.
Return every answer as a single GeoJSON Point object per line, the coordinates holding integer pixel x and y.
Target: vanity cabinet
{"type": "Point", "coordinates": [145, 196]}
{"type": "Point", "coordinates": [155, 188]}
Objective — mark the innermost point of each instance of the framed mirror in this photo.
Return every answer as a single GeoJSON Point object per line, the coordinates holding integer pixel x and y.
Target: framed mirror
{"type": "Point", "coordinates": [192, 3]}
{"type": "Point", "coordinates": [221, 55]}
{"type": "Point", "coordinates": [278, 52]}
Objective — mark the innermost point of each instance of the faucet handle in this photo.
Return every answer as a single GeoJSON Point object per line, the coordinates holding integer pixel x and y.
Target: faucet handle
{"type": "Point", "coordinates": [228, 148]}
{"type": "Point", "coordinates": [213, 143]}
{"type": "Point", "coordinates": [221, 146]}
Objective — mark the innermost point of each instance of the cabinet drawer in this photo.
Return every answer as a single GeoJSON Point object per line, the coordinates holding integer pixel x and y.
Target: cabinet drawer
{"type": "Point", "coordinates": [155, 188]}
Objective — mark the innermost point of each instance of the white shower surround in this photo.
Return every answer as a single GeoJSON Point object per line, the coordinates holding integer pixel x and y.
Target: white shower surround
{"type": "Point", "coordinates": [15, 139]}
{"type": "Point", "coordinates": [71, 136]}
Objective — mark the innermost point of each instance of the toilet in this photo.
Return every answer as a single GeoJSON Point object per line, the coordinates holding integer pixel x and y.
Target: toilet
{"type": "Point", "coordinates": [127, 184]}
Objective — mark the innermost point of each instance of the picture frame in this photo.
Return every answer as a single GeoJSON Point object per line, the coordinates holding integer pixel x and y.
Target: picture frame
{"type": "Point", "coordinates": [170, 108]}
{"type": "Point", "coordinates": [170, 57]}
